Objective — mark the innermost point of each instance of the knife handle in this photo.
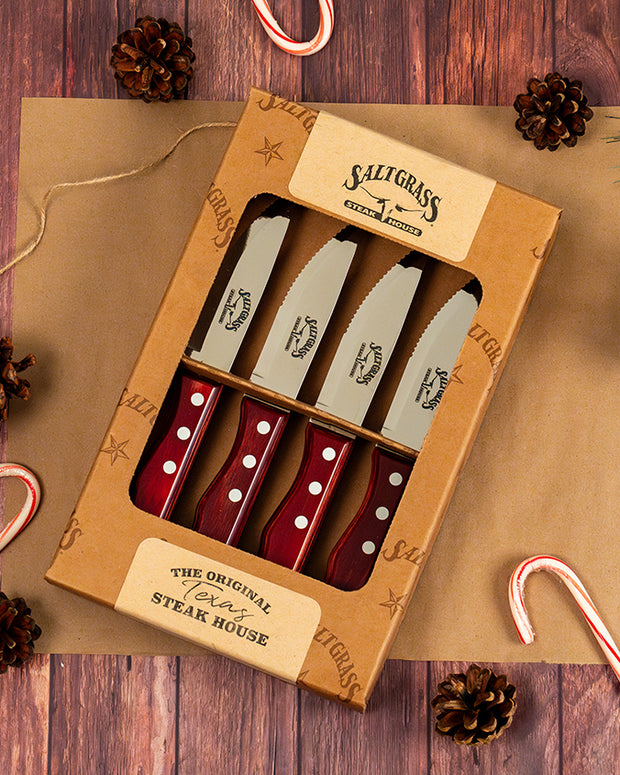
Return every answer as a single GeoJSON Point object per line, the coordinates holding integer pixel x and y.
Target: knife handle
{"type": "Point", "coordinates": [291, 531]}
{"type": "Point", "coordinates": [224, 507]}
{"type": "Point", "coordinates": [180, 428]}
{"type": "Point", "coordinates": [353, 558]}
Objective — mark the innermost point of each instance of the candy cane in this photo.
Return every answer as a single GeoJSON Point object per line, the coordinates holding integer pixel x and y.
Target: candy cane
{"type": "Point", "coordinates": [281, 39]}
{"type": "Point", "coordinates": [588, 609]}
{"type": "Point", "coordinates": [33, 495]}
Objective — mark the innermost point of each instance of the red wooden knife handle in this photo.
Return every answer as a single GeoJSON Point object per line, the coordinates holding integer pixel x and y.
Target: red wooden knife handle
{"type": "Point", "coordinates": [290, 533]}
{"type": "Point", "coordinates": [224, 507]}
{"type": "Point", "coordinates": [353, 558]}
{"type": "Point", "coordinates": [179, 429]}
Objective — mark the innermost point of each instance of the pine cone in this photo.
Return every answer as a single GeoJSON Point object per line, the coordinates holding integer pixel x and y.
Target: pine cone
{"type": "Point", "coordinates": [474, 708]}
{"type": "Point", "coordinates": [153, 60]}
{"type": "Point", "coordinates": [10, 383]}
{"type": "Point", "coordinates": [17, 632]}
{"type": "Point", "coordinates": [553, 110]}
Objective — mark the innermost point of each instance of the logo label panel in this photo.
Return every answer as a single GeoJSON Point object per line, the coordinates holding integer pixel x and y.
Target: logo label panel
{"type": "Point", "coordinates": [390, 187]}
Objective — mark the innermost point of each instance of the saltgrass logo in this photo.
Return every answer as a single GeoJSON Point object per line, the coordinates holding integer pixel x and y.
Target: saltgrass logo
{"type": "Point", "coordinates": [432, 388]}
{"type": "Point", "coordinates": [236, 310]}
{"type": "Point", "coordinates": [367, 363]}
{"type": "Point", "coordinates": [391, 195]}
{"type": "Point", "coordinates": [303, 337]}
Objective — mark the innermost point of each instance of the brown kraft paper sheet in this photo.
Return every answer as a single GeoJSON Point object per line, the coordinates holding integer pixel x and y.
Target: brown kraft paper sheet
{"type": "Point", "coordinates": [542, 476]}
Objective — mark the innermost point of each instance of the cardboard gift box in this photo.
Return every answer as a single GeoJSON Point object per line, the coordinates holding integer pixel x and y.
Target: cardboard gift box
{"type": "Point", "coordinates": [404, 206]}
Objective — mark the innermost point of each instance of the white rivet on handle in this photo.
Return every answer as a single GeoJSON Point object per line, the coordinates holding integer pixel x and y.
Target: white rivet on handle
{"type": "Point", "coordinates": [249, 461]}
{"type": "Point", "coordinates": [31, 504]}
{"type": "Point", "coordinates": [286, 43]}
{"type": "Point", "coordinates": [235, 495]}
{"type": "Point", "coordinates": [396, 479]}
{"type": "Point", "coordinates": [578, 591]}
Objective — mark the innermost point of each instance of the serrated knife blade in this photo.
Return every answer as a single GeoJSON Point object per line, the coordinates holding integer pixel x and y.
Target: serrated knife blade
{"type": "Point", "coordinates": [408, 420]}
{"type": "Point", "coordinates": [189, 405]}
{"type": "Point", "coordinates": [351, 382]}
{"type": "Point", "coordinates": [428, 370]}
{"type": "Point", "coordinates": [243, 292]}
{"type": "Point", "coordinates": [297, 330]}
{"type": "Point", "coordinates": [302, 319]}
{"type": "Point", "coordinates": [366, 347]}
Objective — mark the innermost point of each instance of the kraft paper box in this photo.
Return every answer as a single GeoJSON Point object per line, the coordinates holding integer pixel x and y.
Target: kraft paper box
{"type": "Point", "coordinates": [228, 599]}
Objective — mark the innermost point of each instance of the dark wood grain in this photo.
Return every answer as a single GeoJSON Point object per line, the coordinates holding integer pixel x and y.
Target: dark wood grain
{"type": "Point", "coordinates": [155, 489]}
{"type": "Point", "coordinates": [112, 715]}
{"type": "Point", "coordinates": [87, 71]}
{"type": "Point", "coordinates": [590, 708]}
{"type": "Point", "coordinates": [164, 715]}
{"type": "Point", "coordinates": [526, 46]}
{"type": "Point", "coordinates": [24, 714]}
{"type": "Point", "coordinates": [377, 53]}
{"type": "Point", "coordinates": [464, 39]}
{"type": "Point", "coordinates": [131, 10]}
{"type": "Point", "coordinates": [234, 720]}
{"type": "Point", "coordinates": [530, 746]}
{"type": "Point", "coordinates": [349, 565]}
{"type": "Point", "coordinates": [225, 72]}
{"type": "Point", "coordinates": [391, 737]}
{"type": "Point", "coordinates": [587, 42]}
{"type": "Point", "coordinates": [217, 514]}
{"type": "Point", "coordinates": [284, 540]}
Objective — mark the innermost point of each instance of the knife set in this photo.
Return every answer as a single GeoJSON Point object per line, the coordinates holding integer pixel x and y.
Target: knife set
{"type": "Point", "coordinates": [354, 376]}
{"type": "Point", "coordinates": [307, 397]}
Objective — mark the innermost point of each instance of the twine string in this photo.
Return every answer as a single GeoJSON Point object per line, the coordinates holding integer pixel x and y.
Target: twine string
{"type": "Point", "coordinates": [42, 209]}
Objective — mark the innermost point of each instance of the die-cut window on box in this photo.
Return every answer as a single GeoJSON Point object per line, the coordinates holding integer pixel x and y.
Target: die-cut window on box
{"type": "Point", "coordinates": [256, 398]}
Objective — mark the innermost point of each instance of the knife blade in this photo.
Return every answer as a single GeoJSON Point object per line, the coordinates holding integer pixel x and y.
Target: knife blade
{"type": "Point", "coordinates": [291, 344]}
{"type": "Point", "coordinates": [408, 420]}
{"type": "Point", "coordinates": [351, 381]}
{"type": "Point", "coordinates": [190, 402]}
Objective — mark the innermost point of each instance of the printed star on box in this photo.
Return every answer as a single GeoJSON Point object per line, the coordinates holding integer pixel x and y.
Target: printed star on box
{"type": "Point", "coordinates": [394, 604]}
{"type": "Point", "coordinates": [454, 377]}
{"type": "Point", "coordinates": [270, 151]}
{"type": "Point", "coordinates": [116, 450]}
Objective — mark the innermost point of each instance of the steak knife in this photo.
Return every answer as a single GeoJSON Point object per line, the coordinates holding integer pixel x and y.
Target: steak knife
{"type": "Point", "coordinates": [415, 402]}
{"type": "Point", "coordinates": [190, 402]}
{"type": "Point", "coordinates": [284, 361]}
{"type": "Point", "coordinates": [350, 384]}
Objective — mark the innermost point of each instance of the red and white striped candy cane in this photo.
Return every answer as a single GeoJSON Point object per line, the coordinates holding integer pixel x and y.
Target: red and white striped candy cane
{"type": "Point", "coordinates": [283, 41]}
{"type": "Point", "coordinates": [584, 601]}
{"type": "Point", "coordinates": [31, 504]}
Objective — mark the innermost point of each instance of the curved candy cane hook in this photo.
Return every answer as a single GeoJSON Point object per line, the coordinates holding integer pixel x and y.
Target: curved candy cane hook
{"type": "Point", "coordinates": [283, 41]}
{"type": "Point", "coordinates": [584, 601]}
{"type": "Point", "coordinates": [31, 504]}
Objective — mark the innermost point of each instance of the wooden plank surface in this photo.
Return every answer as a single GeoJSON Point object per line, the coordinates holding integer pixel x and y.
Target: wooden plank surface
{"type": "Point", "coordinates": [119, 713]}
{"type": "Point", "coordinates": [525, 748]}
{"type": "Point", "coordinates": [73, 714]}
{"type": "Point", "coordinates": [233, 719]}
{"type": "Point", "coordinates": [590, 712]}
{"type": "Point", "coordinates": [24, 717]}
